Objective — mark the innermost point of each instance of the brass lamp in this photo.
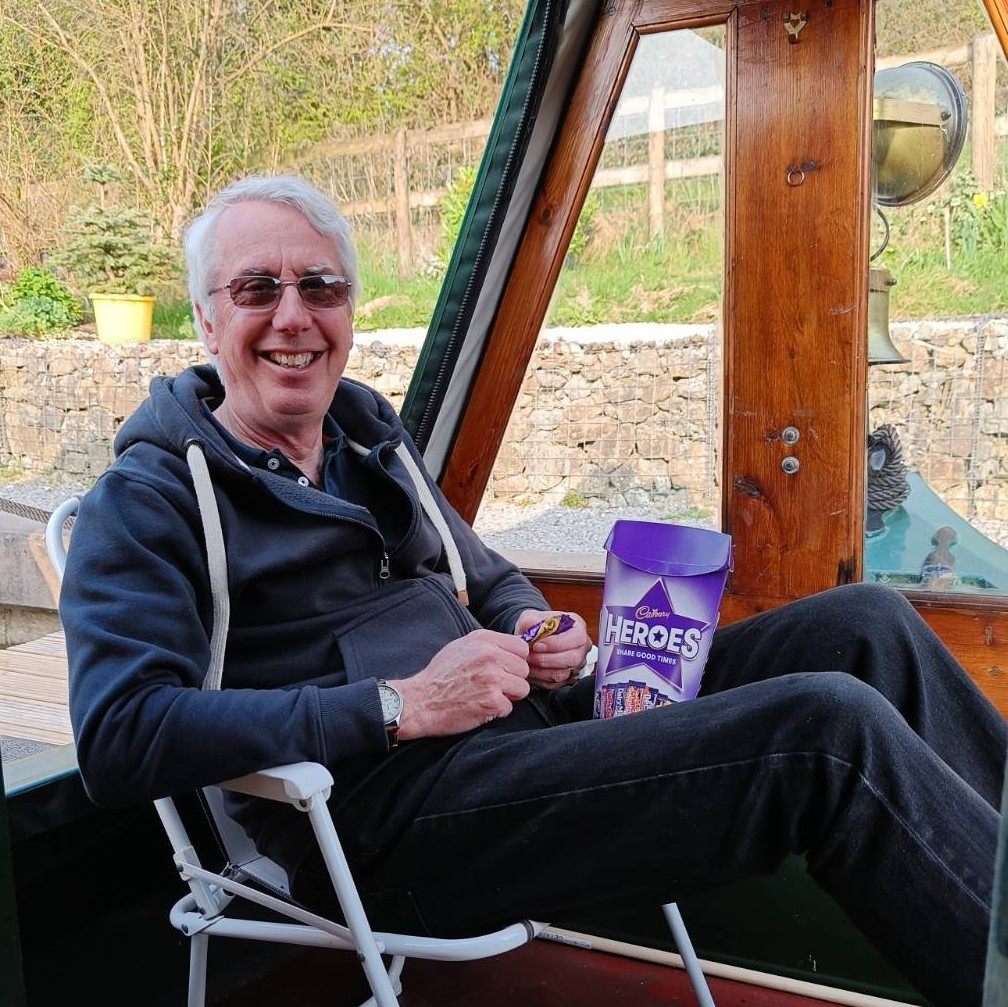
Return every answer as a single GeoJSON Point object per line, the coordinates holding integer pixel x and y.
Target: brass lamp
{"type": "Point", "coordinates": [919, 126]}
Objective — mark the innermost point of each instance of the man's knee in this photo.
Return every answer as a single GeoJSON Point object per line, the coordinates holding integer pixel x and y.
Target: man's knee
{"type": "Point", "coordinates": [870, 610]}
{"type": "Point", "coordinates": [840, 710]}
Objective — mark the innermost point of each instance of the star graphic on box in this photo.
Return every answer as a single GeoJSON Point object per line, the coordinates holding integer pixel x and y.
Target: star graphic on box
{"type": "Point", "coordinates": [651, 634]}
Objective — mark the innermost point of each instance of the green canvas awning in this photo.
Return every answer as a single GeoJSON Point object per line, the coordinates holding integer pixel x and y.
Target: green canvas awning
{"type": "Point", "coordinates": [547, 55]}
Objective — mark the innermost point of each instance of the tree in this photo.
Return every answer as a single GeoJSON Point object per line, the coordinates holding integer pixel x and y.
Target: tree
{"type": "Point", "coordinates": [440, 61]}
{"type": "Point", "coordinates": [37, 101]}
{"type": "Point", "coordinates": [172, 81]}
{"type": "Point", "coordinates": [181, 96]}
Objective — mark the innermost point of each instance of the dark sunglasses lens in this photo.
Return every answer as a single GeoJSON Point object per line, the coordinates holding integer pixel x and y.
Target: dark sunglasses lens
{"type": "Point", "coordinates": [324, 291]}
{"type": "Point", "coordinates": [255, 291]}
{"type": "Point", "coordinates": [265, 291]}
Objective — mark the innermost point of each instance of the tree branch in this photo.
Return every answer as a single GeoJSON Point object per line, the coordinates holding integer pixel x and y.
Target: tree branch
{"type": "Point", "coordinates": [254, 61]}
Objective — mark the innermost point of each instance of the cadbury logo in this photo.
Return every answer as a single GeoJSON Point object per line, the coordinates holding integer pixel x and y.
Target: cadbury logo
{"type": "Point", "coordinates": [647, 612]}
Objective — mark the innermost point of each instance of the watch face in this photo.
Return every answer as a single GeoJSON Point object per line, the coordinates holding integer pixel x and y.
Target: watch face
{"type": "Point", "coordinates": [391, 702]}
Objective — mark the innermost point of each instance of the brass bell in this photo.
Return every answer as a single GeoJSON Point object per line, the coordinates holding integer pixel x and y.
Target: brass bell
{"type": "Point", "coordinates": [881, 349]}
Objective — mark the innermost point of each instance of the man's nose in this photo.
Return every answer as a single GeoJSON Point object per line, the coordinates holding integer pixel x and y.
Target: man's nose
{"type": "Point", "coordinates": [290, 313]}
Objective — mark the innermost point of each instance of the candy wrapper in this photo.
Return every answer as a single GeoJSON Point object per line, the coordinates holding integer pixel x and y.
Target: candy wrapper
{"type": "Point", "coordinates": [660, 606]}
{"type": "Point", "coordinates": [549, 626]}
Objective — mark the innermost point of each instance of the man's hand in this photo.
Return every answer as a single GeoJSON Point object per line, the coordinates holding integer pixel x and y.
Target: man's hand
{"type": "Point", "coordinates": [555, 660]}
{"type": "Point", "coordinates": [467, 683]}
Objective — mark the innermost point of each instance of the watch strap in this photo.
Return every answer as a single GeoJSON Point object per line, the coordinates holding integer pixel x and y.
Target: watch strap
{"type": "Point", "coordinates": [392, 726]}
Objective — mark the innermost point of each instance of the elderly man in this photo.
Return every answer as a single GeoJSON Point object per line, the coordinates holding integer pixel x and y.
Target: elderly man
{"type": "Point", "coordinates": [372, 631]}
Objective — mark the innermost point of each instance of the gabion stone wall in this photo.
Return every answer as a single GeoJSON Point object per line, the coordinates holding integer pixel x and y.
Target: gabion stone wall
{"type": "Point", "coordinates": [627, 414]}
{"type": "Point", "coordinates": [950, 406]}
{"type": "Point", "coordinates": [62, 401]}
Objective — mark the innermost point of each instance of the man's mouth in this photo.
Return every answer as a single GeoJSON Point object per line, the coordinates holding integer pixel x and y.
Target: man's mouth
{"type": "Point", "coordinates": [297, 361]}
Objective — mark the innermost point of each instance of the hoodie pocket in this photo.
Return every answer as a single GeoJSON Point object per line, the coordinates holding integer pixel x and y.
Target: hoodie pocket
{"type": "Point", "coordinates": [416, 619]}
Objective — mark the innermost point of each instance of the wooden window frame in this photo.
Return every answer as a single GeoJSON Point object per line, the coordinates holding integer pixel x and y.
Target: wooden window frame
{"type": "Point", "coordinates": [772, 560]}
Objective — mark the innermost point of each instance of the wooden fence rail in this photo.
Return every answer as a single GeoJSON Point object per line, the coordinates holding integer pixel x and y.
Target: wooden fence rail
{"type": "Point", "coordinates": [981, 54]}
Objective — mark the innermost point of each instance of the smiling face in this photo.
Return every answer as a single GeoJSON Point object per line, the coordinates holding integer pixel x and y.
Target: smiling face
{"type": "Point", "coordinates": [280, 365]}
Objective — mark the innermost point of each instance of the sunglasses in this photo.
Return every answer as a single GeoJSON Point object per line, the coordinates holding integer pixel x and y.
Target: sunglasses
{"type": "Point", "coordinates": [317, 290]}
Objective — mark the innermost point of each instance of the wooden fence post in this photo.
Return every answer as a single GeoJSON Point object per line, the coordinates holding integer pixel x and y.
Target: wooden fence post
{"type": "Point", "coordinates": [400, 172]}
{"type": "Point", "coordinates": [656, 163]}
{"type": "Point", "coordinates": [983, 53]}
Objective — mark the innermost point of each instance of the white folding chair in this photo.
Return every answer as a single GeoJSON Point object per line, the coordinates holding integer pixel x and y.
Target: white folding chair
{"type": "Point", "coordinates": [207, 910]}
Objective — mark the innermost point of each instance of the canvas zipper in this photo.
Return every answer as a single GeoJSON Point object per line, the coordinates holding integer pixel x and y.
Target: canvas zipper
{"type": "Point", "coordinates": [464, 317]}
{"type": "Point", "coordinates": [429, 506]}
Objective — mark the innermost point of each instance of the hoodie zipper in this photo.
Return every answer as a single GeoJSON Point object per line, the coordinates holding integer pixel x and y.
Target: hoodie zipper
{"type": "Point", "coordinates": [384, 568]}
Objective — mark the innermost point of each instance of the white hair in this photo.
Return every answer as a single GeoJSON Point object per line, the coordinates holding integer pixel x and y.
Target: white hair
{"type": "Point", "coordinates": [202, 253]}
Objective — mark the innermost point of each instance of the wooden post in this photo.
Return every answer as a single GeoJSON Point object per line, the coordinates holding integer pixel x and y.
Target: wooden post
{"type": "Point", "coordinates": [402, 204]}
{"type": "Point", "coordinates": [984, 50]}
{"type": "Point", "coordinates": [656, 163]}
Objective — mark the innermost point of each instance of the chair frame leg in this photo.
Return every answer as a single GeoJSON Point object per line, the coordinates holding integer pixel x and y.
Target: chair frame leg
{"type": "Point", "coordinates": [394, 971]}
{"type": "Point", "coordinates": [690, 961]}
{"type": "Point", "coordinates": [353, 911]}
{"type": "Point", "coordinates": [198, 947]}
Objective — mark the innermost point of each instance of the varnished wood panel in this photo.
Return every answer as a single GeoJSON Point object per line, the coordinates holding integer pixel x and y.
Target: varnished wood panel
{"type": "Point", "coordinates": [998, 12]}
{"type": "Point", "coordinates": [795, 297]}
{"type": "Point", "coordinates": [979, 639]}
{"type": "Point", "coordinates": [656, 15]}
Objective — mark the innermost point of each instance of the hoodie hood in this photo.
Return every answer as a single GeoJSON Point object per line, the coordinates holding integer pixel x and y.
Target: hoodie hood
{"type": "Point", "coordinates": [175, 414]}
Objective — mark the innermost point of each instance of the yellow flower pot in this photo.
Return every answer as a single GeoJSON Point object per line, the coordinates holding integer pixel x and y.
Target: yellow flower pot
{"type": "Point", "coordinates": [123, 318]}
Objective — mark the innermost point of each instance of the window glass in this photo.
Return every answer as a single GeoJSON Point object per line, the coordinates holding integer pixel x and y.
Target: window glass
{"type": "Point", "coordinates": [937, 478]}
{"type": "Point", "coordinates": [620, 411]}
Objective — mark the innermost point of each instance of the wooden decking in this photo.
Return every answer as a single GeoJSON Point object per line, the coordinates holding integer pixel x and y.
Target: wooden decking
{"type": "Point", "coordinates": [33, 691]}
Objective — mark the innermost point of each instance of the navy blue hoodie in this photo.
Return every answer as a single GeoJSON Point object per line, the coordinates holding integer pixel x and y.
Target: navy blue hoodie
{"type": "Point", "coordinates": [312, 625]}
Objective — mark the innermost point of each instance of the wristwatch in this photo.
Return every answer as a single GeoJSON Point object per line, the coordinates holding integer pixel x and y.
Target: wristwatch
{"type": "Point", "coordinates": [392, 708]}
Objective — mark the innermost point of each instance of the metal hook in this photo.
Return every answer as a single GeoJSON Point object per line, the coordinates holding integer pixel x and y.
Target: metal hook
{"type": "Point", "coordinates": [885, 237]}
{"type": "Point", "coordinates": [793, 24]}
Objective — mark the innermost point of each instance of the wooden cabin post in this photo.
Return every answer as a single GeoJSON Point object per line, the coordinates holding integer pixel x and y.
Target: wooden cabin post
{"type": "Point", "coordinates": [798, 184]}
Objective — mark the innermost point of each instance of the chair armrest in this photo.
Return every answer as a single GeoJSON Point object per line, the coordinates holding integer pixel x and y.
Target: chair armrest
{"type": "Point", "coordinates": [299, 781]}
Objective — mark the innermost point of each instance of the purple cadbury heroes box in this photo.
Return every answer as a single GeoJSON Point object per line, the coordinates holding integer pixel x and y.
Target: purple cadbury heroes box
{"type": "Point", "coordinates": [660, 607]}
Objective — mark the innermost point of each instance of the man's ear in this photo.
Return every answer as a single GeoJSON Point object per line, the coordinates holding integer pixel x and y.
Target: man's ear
{"type": "Point", "coordinates": [207, 325]}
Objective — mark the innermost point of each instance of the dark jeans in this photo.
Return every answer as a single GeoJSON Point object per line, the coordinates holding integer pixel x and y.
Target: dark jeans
{"type": "Point", "coordinates": [838, 727]}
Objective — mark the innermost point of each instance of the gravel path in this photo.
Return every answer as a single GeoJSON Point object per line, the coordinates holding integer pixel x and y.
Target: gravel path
{"type": "Point", "coordinates": [43, 494]}
{"type": "Point", "coordinates": [548, 527]}
{"type": "Point", "coordinates": [545, 526]}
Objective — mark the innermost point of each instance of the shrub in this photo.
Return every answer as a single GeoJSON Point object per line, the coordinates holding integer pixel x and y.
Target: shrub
{"type": "Point", "coordinates": [574, 499]}
{"type": "Point", "coordinates": [173, 320]}
{"type": "Point", "coordinates": [109, 250]}
{"type": "Point", "coordinates": [37, 304]}
{"type": "Point", "coordinates": [584, 228]}
{"type": "Point", "coordinates": [454, 202]}
{"type": "Point", "coordinates": [452, 207]}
